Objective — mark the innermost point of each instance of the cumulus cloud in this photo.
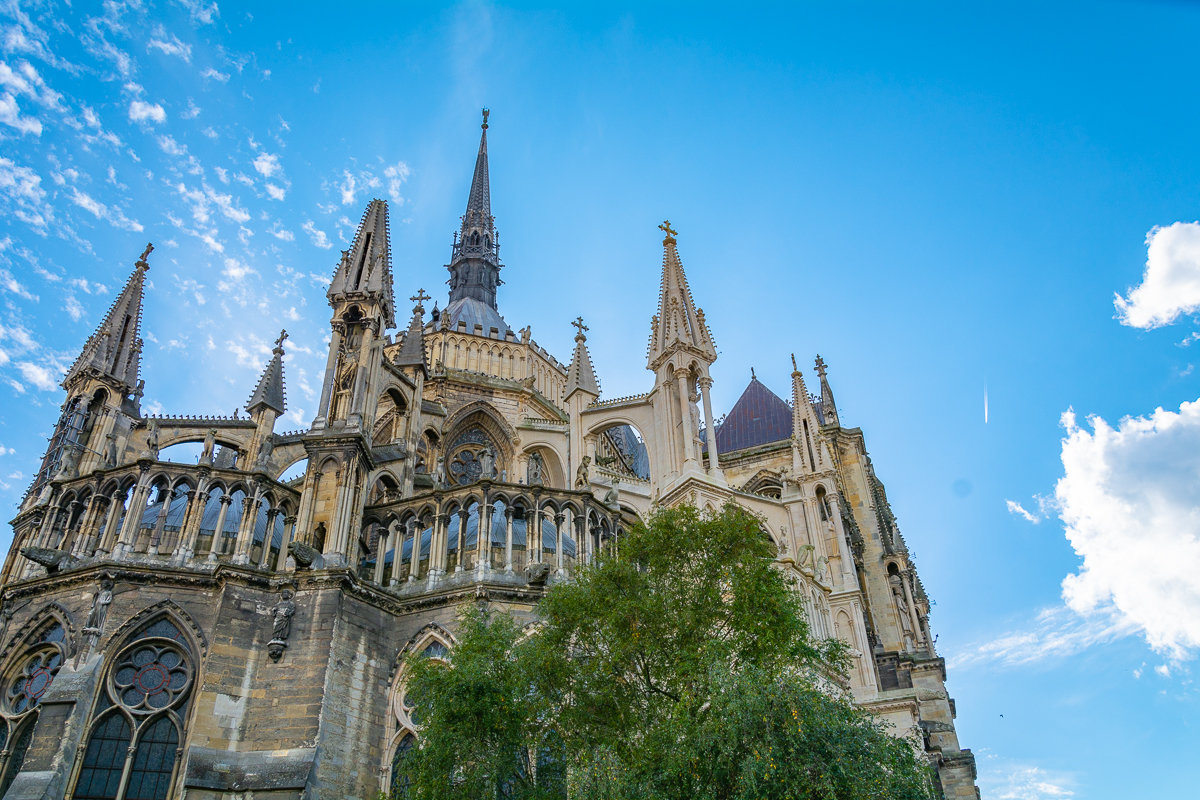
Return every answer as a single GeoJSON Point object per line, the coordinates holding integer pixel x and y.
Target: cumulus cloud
{"type": "Point", "coordinates": [318, 236]}
{"type": "Point", "coordinates": [275, 192]}
{"type": "Point", "coordinates": [267, 164]}
{"type": "Point", "coordinates": [140, 110]}
{"type": "Point", "coordinates": [1170, 286]}
{"type": "Point", "coordinates": [1130, 501]}
{"type": "Point", "coordinates": [39, 375]}
{"type": "Point", "coordinates": [200, 11]}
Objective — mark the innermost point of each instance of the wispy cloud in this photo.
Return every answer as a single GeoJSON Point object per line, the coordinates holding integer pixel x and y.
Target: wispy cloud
{"type": "Point", "coordinates": [169, 44]}
{"type": "Point", "coordinates": [1026, 782]}
{"type": "Point", "coordinates": [319, 238]}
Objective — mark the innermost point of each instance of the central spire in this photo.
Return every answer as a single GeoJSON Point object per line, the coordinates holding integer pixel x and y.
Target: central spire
{"type": "Point", "coordinates": [475, 261]}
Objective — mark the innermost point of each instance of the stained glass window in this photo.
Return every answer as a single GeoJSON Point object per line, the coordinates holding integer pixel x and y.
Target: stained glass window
{"type": "Point", "coordinates": [104, 760]}
{"type": "Point", "coordinates": [154, 761]}
{"type": "Point", "coordinates": [400, 779]}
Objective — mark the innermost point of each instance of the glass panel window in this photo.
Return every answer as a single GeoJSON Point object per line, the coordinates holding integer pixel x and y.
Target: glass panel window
{"type": "Point", "coordinates": [104, 760]}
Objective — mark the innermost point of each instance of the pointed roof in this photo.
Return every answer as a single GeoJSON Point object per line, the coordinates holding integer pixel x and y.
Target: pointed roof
{"type": "Point", "coordinates": [115, 349]}
{"type": "Point", "coordinates": [827, 408]}
{"type": "Point", "coordinates": [758, 417]}
{"type": "Point", "coordinates": [365, 270]}
{"type": "Point", "coordinates": [412, 350]}
{"type": "Point", "coordinates": [581, 376]}
{"type": "Point", "coordinates": [269, 391]}
{"type": "Point", "coordinates": [678, 323]}
{"type": "Point", "coordinates": [475, 259]}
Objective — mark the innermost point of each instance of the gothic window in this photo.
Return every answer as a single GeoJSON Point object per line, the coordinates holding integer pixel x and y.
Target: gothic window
{"type": "Point", "coordinates": [406, 716]}
{"type": "Point", "coordinates": [132, 749]}
{"type": "Point", "coordinates": [25, 683]}
{"type": "Point", "coordinates": [463, 466]}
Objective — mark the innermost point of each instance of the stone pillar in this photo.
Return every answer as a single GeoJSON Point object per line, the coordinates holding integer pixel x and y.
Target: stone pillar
{"type": "Point", "coordinates": [534, 547]}
{"type": "Point", "coordinates": [218, 540]}
{"type": "Point", "coordinates": [558, 542]}
{"type": "Point", "coordinates": [264, 560]}
{"type": "Point", "coordinates": [508, 538]}
{"type": "Point", "coordinates": [685, 416]}
{"type": "Point", "coordinates": [168, 497]}
{"type": "Point", "coordinates": [483, 542]}
{"type": "Point", "coordinates": [335, 342]}
{"type": "Point", "coordinates": [197, 502]}
{"type": "Point", "coordinates": [133, 514]}
{"type": "Point", "coordinates": [714, 464]}
{"type": "Point", "coordinates": [461, 541]}
{"type": "Point", "coordinates": [245, 534]}
{"type": "Point", "coordinates": [381, 545]}
{"type": "Point", "coordinates": [289, 533]}
{"type": "Point", "coordinates": [414, 555]}
{"type": "Point", "coordinates": [115, 507]}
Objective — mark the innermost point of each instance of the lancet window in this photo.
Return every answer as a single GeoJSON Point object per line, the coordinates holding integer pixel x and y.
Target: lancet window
{"type": "Point", "coordinates": [25, 682]}
{"type": "Point", "coordinates": [137, 726]}
{"type": "Point", "coordinates": [404, 725]}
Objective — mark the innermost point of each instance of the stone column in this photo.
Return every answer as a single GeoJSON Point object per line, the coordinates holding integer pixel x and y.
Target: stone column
{"type": "Point", "coordinates": [483, 542]}
{"type": "Point", "coordinates": [264, 559]}
{"type": "Point", "coordinates": [685, 417]}
{"type": "Point", "coordinates": [414, 556]}
{"type": "Point", "coordinates": [396, 542]}
{"type": "Point", "coordinates": [115, 507]}
{"type": "Point", "coordinates": [335, 342]}
{"type": "Point", "coordinates": [197, 503]}
{"type": "Point", "coordinates": [508, 538]}
{"type": "Point", "coordinates": [168, 497]}
{"type": "Point", "coordinates": [245, 534]}
{"type": "Point", "coordinates": [289, 533]}
{"type": "Point", "coordinates": [98, 507]}
{"type": "Point", "coordinates": [218, 539]}
{"type": "Point", "coordinates": [133, 515]}
{"type": "Point", "coordinates": [534, 547]}
{"type": "Point", "coordinates": [461, 541]}
{"type": "Point", "coordinates": [381, 545]}
{"type": "Point", "coordinates": [558, 542]}
{"type": "Point", "coordinates": [714, 464]}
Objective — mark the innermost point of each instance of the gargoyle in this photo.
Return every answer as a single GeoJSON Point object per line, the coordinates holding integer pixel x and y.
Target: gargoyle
{"type": "Point", "coordinates": [304, 554]}
{"type": "Point", "coordinates": [52, 560]}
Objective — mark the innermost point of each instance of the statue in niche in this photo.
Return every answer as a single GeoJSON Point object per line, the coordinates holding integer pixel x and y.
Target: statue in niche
{"type": "Point", "coordinates": [612, 498]}
{"type": "Point", "coordinates": [582, 481]}
{"type": "Point", "coordinates": [806, 555]}
{"type": "Point", "coordinates": [210, 444]}
{"type": "Point", "coordinates": [487, 464]}
{"type": "Point", "coordinates": [264, 453]}
{"type": "Point", "coordinates": [68, 467]}
{"type": "Point", "coordinates": [902, 610]}
{"type": "Point", "coordinates": [535, 470]}
{"type": "Point", "coordinates": [152, 440]}
{"type": "Point", "coordinates": [110, 449]}
{"type": "Point", "coordinates": [100, 603]}
{"type": "Point", "coordinates": [439, 473]}
{"type": "Point", "coordinates": [282, 614]}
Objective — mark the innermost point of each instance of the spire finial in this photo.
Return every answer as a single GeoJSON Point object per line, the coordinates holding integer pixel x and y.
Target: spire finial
{"type": "Point", "coordinates": [486, 112]}
{"type": "Point", "coordinates": [279, 342]}
{"type": "Point", "coordinates": [753, 377]}
{"type": "Point", "coordinates": [579, 329]}
{"type": "Point", "coordinates": [666, 228]}
{"type": "Point", "coordinates": [142, 263]}
{"type": "Point", "coordinates": [419, 298]}
{"type": "Point", "coordinates": [794, 367]}
{"type": "Point", "coordinates": [820, 366]}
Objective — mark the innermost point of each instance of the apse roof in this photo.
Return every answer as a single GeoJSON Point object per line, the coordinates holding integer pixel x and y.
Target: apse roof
{"type": "Point", "coordinates": [758, 417]}
{"type": "Point", "coordinates": [475, 312]}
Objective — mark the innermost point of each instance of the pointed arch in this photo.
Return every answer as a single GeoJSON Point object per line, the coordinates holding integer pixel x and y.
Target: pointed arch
{"type": "Point", "coordinates": [50, 611]}
{"type": "Point", "coordinates": [166, 609]}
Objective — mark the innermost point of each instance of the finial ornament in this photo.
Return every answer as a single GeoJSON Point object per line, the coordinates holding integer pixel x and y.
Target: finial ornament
{"type": "Point", "coordinates": [579, 328]}
{"type": "Point", "coordinates": [794, 367]}
{"type": "Point", "coordinates": [141, 262]}
{"type": "Point", "coordinates": [486, 112]}
{"type": "Point", "coordinates": [666, 228]}
{"type": "Point", "coordinates": [753, 377]}
{"type": "Point", "coordinates": [280, 340]}
{"type": "Point", "coordinates": [419, 298]}
{"type": "Point", "coordinates": [820, 365]}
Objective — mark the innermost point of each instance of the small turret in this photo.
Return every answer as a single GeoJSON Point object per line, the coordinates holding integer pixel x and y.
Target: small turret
{"type": "Point", "coordinates": [581, 376]}
{"type": "Point", "coordinates": [678, 323]}
{"type": "Point", "coordinates": [828, 409]}
{"type": "Point", "coordinates": [364, 273]}
{"type": "Point", "coordinates": [412, 351]}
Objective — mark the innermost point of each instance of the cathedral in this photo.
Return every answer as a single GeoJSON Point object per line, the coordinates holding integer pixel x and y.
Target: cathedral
{"type": "Point", "coordinates": [237, 624]}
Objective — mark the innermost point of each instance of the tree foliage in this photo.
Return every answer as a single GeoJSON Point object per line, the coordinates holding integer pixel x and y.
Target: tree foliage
{"type": "Point", "coordinates": [681, 667]}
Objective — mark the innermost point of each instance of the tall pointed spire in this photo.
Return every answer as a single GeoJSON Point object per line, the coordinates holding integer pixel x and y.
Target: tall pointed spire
{"type": "Point", "coordinates": [829, 414]}
{"type": "Point", "coordinates": [114, 351]}
{"type": "Point", "coordinates": [365, 270]}
{"type": "Point", "coordinates": [475, 260]}
{"type": "Point", "coordinates": [581, 376]}
{"type": "Point", "coordinates": [269, 391]}
{"type": "Point", "coordinates": [412, 351]}
{"type": "Point", "coordinates": [678, 323]}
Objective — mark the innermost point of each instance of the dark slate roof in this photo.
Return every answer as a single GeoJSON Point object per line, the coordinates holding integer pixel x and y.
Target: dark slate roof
{"type": "Point", "coordinates": [758, 417]}
{"type": "Point", "coordinates": [475, 312]}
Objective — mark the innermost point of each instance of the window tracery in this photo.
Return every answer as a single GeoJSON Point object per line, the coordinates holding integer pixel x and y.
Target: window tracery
{"type": "Point", "coordinates": [25, 684]}
{"type": "Point", "coordinates": [406, 721]}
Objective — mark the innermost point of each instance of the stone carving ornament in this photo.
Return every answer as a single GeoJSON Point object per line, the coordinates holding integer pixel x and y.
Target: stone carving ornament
{"type": "Point", "coordinates": [282, 614]}
{"type": "Point", "coordinates": [535, 470]}
{"type": "Point", "coordinates": [581, 474]}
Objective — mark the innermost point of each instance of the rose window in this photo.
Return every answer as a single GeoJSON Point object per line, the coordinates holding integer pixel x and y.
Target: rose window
{"type": "Point", "coordinates": [465, 467]}
{"type": "Point", "coordinates": [151, 676]}
{"type": "Point", "coordinates": [33, 680]}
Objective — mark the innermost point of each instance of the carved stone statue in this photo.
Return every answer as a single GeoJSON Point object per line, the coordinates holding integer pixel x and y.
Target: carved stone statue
{"type": "Point", "coordinates": [110, 450]}
{"type": "Point", "coordinates": [152, 440]}
{"type": "Point", "coordinates": [806, 555]}
{"type": "Point", "coordinates": [487, 464]}
{"type": "Point", "coordinates": [581, 475]}
{"type": "Point", "coordinates": [52, 560]}
{"type": "Point", "coordinates": [535, 469]}
{"type": "Point", "coordinates": [264, 453]}
{"type": "Point", "coordinates": [100, 603]}
{"type": "Point", "coordinates": [210, 444]}
{"type": "Point", "coordinates": [612, 498]}
{"type": "Point", "coordinates": [283, 612]}
{"type": "Point", "coordinates": [439, 472]}
{"type": "Point", "coordinates": [537, 573]}
{"type": "Point", "coordinates": [68, 467]}
{"type": "Point", "coordinates": [303, 554]}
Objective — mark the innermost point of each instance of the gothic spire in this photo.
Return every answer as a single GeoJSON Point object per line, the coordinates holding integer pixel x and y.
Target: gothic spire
{"type": "Point", "coordinates": [365, 270]}
{"type": "Point", "coordinates": [114, 351]}
{"type": "Point", "coordinates": [678, 323]}
{"type": "Point", "coordinates": [581, 376]}
{"type": "Point", "coordinates": [475, 260]}
{"type": "Point", "coordinates": [412, 351]}
{"type": "Point", "coordinates": [829, 414]}
{"type": "Point", "coordinates": [269, 391]}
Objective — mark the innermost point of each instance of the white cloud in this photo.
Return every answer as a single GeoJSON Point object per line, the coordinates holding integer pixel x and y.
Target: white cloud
{"type": "Point", "coordinates": [73, 308]}
{"type": "Point", "coordinates": [1170, 287]}
{"type": "Point", "coordinates": [6, 451]}
{"type": "Point", "coordinates": [1016, 508]}
{"type": "Point", "coordinates": [10, 283]}
{"type": "Point", "coordinates": [10, 115]}
{"type": "Point", "coordinates": [1130, 500]}
{"type": "Point", "coordinates": [200, 11]}
{"type": "Point", "coordinates": [347, 188]}
{"type": "Point", "coordinates": [40, 376]}
{"type": "Point", "coordinates": [1055, 632]}
{"type": "Point", "coordinates": [281, 233]}
{"type": "Point", "coordinates": [275, 192]}
{"type": "Point", "coordinates": [318, 236]}
{"type": "Point", "coordinates": [191, 112]}
{"type": "Point", "coordinates": [111, 214]}
{"type": "Point", "coordinates": [139, 110]}
{"type": "Point", "coordinates": [213, 74]}
{"type": "Point", "coordinates": [267, 164]}
{"type": "Point", "coordinates": [23, 188]}
{"type": "Point", "coordinates": [396, 175]}
{"type": "Point", "coordinates": [1024, 782]}
{"type": "Point", "coordinates": [169, 44]}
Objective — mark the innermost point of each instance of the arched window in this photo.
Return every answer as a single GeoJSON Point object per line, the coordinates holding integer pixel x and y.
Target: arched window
{"type": "Point", "coordinates": [138, 723]}
{"type": "Point", "coordinates": [406, 717]}
{"type": "Point", "coordinates": [25, 683]}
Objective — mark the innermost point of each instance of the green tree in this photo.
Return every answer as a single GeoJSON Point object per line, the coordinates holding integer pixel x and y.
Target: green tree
{"type": "Point", "coordinates": [681, 667]}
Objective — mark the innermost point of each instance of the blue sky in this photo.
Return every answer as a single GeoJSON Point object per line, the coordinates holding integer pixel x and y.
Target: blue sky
{"type": "Point", "coordinates": [941, 201]}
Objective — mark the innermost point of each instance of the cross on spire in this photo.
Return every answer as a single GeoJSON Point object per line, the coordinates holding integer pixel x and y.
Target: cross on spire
{"type": "Point", "coordinates": [486, 112]}
{"type": "Point", "coordinates": [666, 228]}
{"type": "Point", "coordinates": [579, 327]}
{"type": "Point", "coordinates": [141, 262]}
{"type": "Point", "coordinates": [419, 298]}
{"type": "Point", "coordinates": [279, 341]}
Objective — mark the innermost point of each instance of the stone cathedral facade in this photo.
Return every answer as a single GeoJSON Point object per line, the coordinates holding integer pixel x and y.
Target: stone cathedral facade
{"type": "Point", "coordinates": [197, 627]}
